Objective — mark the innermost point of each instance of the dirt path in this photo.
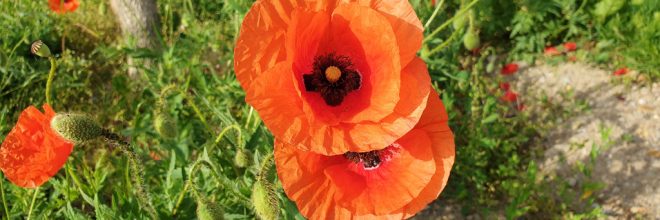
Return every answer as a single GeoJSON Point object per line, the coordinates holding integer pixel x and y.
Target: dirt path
{"type": "Point", "coordinates": [622, 120]}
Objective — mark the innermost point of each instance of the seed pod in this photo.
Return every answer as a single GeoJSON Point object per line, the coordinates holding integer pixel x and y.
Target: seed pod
{"type": "Point", "coordinates": [471, 39]}
{"type": "Point", "coordinates": [265, 201]}
{"type": "Point", "coordinates": [40, 49]}
{"type": "Point", "coordinates": [242, 158]}
{"type": "Point", "coordinates": [209, 210]}
{"type": "Point", "coordinates": [76, 127]}
{"type": "Point", "coordinates": [165, 125]}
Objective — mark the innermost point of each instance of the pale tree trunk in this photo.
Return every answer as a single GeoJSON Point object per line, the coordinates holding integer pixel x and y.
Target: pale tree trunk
{"type": "Point", "coordinates": [138, 20]}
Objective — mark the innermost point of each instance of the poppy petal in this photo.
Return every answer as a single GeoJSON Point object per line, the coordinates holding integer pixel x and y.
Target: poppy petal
{"type": "Point", "coordinates": [32, 152]}
{"type": "Point", "coordinates": [274, 95]}
{"type": "Point", "coordinates": [405, 23]}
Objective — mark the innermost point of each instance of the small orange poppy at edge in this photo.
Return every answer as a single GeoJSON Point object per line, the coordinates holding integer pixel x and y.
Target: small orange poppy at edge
{"type": "Point", "coordinates": [63, 6]}
{"type": "Point", "coordinates": [32, 152]}
{"type": "Point", "coordinates": [333, 76]}
{"type": "Point", "coordinates": [393, 183]}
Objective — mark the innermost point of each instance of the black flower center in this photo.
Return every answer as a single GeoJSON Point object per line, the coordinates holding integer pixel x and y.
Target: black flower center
{"type": "Point", "coordinates": [333, 77]}
{"type": "Point", "coordinates": [369, 159]}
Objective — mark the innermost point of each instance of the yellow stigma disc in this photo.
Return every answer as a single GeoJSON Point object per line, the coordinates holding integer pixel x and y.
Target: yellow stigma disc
{"type": "Point", "coordinates": [332, 74]}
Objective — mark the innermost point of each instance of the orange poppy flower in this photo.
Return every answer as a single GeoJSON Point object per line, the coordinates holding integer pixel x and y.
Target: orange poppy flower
{"type": "Point", "coordinates": [32, 152]}
{"type": "Point", "coordinates": [395, 182]}
{"type": "Point", "coordinates": [63, 6]}
{"type": "Point", "coordinates": [620, 72]}
{"type": "Point", "coordinates": [333, 76]}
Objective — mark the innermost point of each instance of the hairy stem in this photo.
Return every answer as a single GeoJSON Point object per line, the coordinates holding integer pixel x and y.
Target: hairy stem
{"type": "Point", "coordinates": [137, 177]}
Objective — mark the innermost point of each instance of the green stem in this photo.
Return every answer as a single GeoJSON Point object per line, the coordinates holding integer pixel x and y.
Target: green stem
{"type": "Point", "coordinates": [443, 44]}
{"type": "Point", "coordinates": [444, 25]}
{"type": "Point", "coordinates": [435, 13]}
{"type": "Point", "coordinates": [2, 192]}
{"type": "Point", "coordinates": [34, 199]}
{"type": "Point", "coordinates": [49, 83]}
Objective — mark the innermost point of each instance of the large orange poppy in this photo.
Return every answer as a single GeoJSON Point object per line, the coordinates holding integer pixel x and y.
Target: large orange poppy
{"type": "Point", "coordinates": [63, 6]}
{"type": "Point", "coordinates": [32, 152]}
{"type": "Point", "coordinates": [333, 76]}
{"type": "Point", "coordinates": [393, 183]}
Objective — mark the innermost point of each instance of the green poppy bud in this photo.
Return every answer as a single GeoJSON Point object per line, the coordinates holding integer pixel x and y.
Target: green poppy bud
{"type": "Point", "coordinates": [165, 125]}
{"type": "Point", "coordinates": [265, 201]}
{"type": "Point", "coordinates": [471, 39]}
{"type": "Point", "coordinates": [76, 127]}
{"type": "Point", "coordinates": [209, 210]}
{"type": "Point", "coordinates": [40, 49]}
{"type": "Point", "coordinates": [242, 158]}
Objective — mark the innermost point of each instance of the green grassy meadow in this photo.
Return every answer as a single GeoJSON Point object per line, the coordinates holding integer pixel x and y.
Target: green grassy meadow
{"type": "Point", "coordinates": [191, 86]}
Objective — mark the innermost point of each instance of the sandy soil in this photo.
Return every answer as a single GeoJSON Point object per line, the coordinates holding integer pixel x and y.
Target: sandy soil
{"type": "Point", "coordinates": [622, 120]}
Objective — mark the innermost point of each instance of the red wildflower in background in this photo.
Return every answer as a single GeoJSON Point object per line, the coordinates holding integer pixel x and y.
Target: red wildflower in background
{"type": "Point", "coordinates": [33, 152]}
{"type": "Point", "coordinates": [335, 76]}
{"type": "Point", "coordinates": [551, 51]}
{"type": "Point", "coordinates": [510, 96]}
{"type": "Point", "coordinates": [505, 86]}
{"type": "Point", "coordinates": [570, 46]}
{"type": "Point", "coordinates": [392, 183]}
{"type": "Point", "coordinates": [63, 6]}
{"type": "Point", "coordinates": [509, 69]}
{"type": "Point", "coordinates": [621, 71]}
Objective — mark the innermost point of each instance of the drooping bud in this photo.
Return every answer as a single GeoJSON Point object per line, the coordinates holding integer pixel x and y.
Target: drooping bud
{"type": "Point", "coordinates": [165, 125]}
{"type": "Point", "coordinates": [242, 158]}
{"type": "Point", "coordinates": [208, 209]}
{"type": "Point", "coordinates": [76, 127]}
{"type": "Point", "coordinates": [265, 202]}
{"type": "Point", "coordinates": [471, 39]}
{"type": "Point", "coordinates": [40, 49]}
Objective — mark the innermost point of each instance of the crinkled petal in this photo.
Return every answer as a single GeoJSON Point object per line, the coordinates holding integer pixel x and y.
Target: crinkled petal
{"type": "Point", "coordinates": [32, 152]}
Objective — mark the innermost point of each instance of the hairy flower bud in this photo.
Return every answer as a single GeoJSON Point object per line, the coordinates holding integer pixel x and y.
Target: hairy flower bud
{"type": "Point", "coordinates": [265, 201]}
{"type": "Point", "coordinates": [165, 125]}
{"type": "Point", "coordinates": [76, 127]}
{"type": "Point", "coordinates": [208, 209]}
{"type": "Point", "coordinates": [40, 49]}
{"type": "Point", "coordinates": [242, 158]}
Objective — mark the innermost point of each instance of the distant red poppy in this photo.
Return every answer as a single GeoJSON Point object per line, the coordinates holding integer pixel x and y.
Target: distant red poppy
{"type": "Point", "coordinates": [505, 86]}
{"type": "Point", "coordinates": [551, 51]}
{"type": "Point", "coordinates": [572, 58]}
{"type": "Point", "coordinates": [620, 72]}
{"type": "Point", "coordinates": [570, 46]}
{"type": "Point", "coordinates": [510, 96]}
{"type": "Point", "coordinates": [509, 69]}
{"type": "Point", "coordinates": [392, 183]}
{"type": "Point", "coordinates": [63, 6]}
{"type": "Point", "coordinates": [32, 153]}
